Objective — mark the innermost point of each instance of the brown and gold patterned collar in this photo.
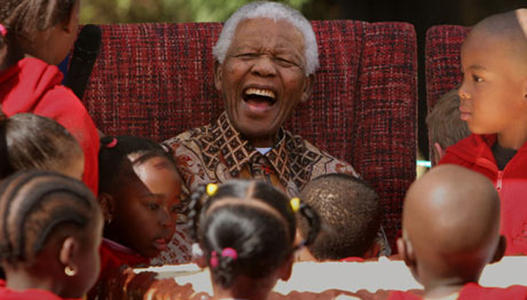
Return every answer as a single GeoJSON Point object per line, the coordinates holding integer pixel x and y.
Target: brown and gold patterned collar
{"type": "Point", "coordinates": [236, 151]}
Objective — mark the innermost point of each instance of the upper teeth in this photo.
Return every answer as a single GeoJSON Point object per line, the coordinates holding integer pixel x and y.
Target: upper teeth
{"type": "Point", "coordinates": [260, 92]}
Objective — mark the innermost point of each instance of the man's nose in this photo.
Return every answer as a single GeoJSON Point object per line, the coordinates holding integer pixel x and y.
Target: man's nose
{"type": "Point", "coordinates": [264, 66]}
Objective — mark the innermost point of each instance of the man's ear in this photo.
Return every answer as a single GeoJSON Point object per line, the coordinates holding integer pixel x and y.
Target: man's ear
{"type": "Point", "coordinates": [286, 269]}
{"type": "Point", "coordinates": [308, 88]}
{"type": "Point", "coordinates": [406, 252]}
{"type": "Point", "coordinates": [218, 75]}
{"type": "Point", "coordinates": [500, 250]}
{"type": "Point", "coordinates": [68, 252]}
{"type": "Point", "coordinates": [107, 204]}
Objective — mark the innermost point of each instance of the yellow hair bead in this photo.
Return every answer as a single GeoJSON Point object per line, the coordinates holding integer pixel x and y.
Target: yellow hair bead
{"type": "Point", "coordinates": [295, 204]}
{"type": "Point", "coordinates": [211, 189]}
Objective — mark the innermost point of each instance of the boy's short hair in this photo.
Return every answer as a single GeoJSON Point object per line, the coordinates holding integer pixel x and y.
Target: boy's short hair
{"type": "Point", "coordinates": [444, 123]}
{"type": "Point", "coordinates": [350, 215]}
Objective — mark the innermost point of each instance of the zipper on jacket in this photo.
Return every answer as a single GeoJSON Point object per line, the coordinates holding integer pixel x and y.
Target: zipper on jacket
{"type": "Point", "coordinates": [499, 181]}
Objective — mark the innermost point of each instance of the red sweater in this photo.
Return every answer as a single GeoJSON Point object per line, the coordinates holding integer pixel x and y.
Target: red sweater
{"type": "Point", "coordinates": [33, 86]}
{"type": "Point", "coordinates": [473, 291]}
{"type": "Point", "coordinates": [114, 255]}
{"type": "Point", "coordinates": [475, 153]}
{"type": "Point", "coordinates": [8, 294]}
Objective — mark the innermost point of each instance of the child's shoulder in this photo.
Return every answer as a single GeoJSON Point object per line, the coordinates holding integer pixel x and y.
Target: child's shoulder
{"type": "Point", "coordinates": [9, 294]}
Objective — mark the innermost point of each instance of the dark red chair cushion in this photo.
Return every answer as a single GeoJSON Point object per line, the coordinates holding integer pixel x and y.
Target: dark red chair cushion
{"type": "Point", "coordinates": [156, 80]}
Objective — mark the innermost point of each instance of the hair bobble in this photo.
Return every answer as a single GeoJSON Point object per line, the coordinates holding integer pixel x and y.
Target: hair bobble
{"type": "Point", "coordinates": [295, 204]}
{"type": "Point", "coordinates": [112, 144]}
{"type": "Point", "coordinates": [211, 189]}
{"type": "Point", "coordinates": [229, 252]}
{"type": "Point", "coordinates": [213, 259]}
{"type": "Point", "coordinates": [3, 30]}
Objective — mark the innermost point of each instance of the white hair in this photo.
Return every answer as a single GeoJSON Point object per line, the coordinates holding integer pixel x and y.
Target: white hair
{"type": "Point", "coordinates": [275, 11]}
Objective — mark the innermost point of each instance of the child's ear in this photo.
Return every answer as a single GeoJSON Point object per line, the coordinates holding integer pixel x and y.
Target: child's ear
{"type": "Point", "coordinates": [287, 269]}
{"type": "Point", "coordinates": [308, 88]}
{"type": "Point", "coordinates": [67, 254]}
{"type": "Point", "coordinates": [106, 201]}
{"type": "Point", "coordinates": [218, 76]}
{"type": "Point", "coordinates": [70, 24]}
{"type": "Point", "coordinates": [407, 252]}
{"type": "Point", "coordinates": [500, 250]}
{"type": "Point", "coordinates": [438, 153]}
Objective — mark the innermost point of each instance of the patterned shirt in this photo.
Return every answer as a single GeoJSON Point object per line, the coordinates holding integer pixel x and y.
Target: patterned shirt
{"type": "Point", "coordinates": [217, 152]}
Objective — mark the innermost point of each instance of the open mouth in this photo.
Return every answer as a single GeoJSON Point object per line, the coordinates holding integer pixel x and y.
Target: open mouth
{"type": "Point", "coordinates": [259, 97]}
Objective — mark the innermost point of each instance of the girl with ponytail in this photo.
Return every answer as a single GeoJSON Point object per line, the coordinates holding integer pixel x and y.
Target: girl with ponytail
{"type": "Point", "coordinates": [246, 230]}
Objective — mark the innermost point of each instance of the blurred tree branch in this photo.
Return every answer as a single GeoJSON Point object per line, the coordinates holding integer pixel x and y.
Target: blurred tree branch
{"type": "Point", "coordinates": [135, 11]}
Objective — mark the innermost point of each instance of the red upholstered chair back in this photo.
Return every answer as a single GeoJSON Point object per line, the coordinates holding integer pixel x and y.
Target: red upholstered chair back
{"type": "Point", "coordinates": [442, 59]}
{"type": "Point", "coordinates": [156, 80]}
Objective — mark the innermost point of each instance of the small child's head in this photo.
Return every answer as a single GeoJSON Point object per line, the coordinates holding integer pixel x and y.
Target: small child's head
{"type": "Point", "coordinates": [451, 223]}
{"type": "Point", "coordinates": [50, 228]}
{"type": "Point", "coordinates": [29, 141]}
{"type": "Point", "coordinates": [140, 191]}
{"type": "Point", "coordinates": [247, 232]}
{"type": "Point", "coordinates": [39, 28]}
{"type": "Point", "coordinates": [445, 126]}
{"type": "Point", "coordinates": [494, 61]}
{"type": "Point", "coordinates": [350, 214]}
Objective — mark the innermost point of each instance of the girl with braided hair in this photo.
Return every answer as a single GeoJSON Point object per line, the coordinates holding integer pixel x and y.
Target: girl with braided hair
{"type": "Point", "coordinates": [140, 195]}
{"type": "Point", "coordinates": [28, 141]}
{"type": "Point", "coordinates": [246, 230]}
{"type": "Point", "coordinates": [50, 232]}
{"type": "Point", "coordinates": [36, 35]}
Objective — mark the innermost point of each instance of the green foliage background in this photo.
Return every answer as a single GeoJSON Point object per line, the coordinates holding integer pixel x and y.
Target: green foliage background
{"type": "Point", "coordinates": [135, 11]}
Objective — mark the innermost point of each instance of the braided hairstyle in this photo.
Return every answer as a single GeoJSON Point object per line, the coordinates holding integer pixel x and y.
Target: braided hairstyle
{"type": "Point", "coordinates": [23, 19]}
{"type": "Point", "coordinates": [114, 165]}
{"type": "Point", "coordinates": [28, 141]}
{"type": "Point", "coordinates": [34, 205]}
{"type": "Point", "coordinates": [252, 218]}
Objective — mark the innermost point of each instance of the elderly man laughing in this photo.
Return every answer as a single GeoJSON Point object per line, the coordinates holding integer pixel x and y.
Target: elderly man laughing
{"type": "Point", "coordinates": [266, 57]}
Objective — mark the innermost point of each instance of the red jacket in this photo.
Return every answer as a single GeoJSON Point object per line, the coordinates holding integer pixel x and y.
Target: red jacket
{"type": "Point", "coordinates": [8, 294]}
{"type": "Point", "coordinates": [473, 291]}
{"type": "Point", "coordinates": [475, 153]}
{"type": "Point", "coordinates": [33, 86]}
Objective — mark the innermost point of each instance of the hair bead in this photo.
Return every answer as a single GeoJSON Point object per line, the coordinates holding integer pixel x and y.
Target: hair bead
{"type": "Point", "coordinates": [295, 204]}
{"type": "Point", "coordinates": [211, 189]}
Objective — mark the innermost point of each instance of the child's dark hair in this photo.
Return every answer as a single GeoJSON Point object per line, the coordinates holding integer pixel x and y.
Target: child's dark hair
{"type": "Point", "coordinates": [250, 218]}
{"type": "Point", "coordinates": [34, 205]}
{"type": "Point", "coordinates": [22, 18]}
{"type": "Point", "coordinates": [114, 164]}
{"type": "Point", "coordinates": [350, 213]}
{"type": "Point", "coordinates": [28, 141]}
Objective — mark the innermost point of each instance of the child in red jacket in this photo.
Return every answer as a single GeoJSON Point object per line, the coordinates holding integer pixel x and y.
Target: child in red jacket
{"type": "Point", "coordinates": [34, 37]}
{"type": "Point", "coordinates": [451, 233]}
{"type": "Point", "coordinates": [51, 231]}
{"type": "Point", "coordinates": [494, 105]}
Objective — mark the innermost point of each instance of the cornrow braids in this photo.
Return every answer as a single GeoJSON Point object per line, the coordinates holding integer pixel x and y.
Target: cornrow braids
{"type": "Point", "coordinates": [34, 204]}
